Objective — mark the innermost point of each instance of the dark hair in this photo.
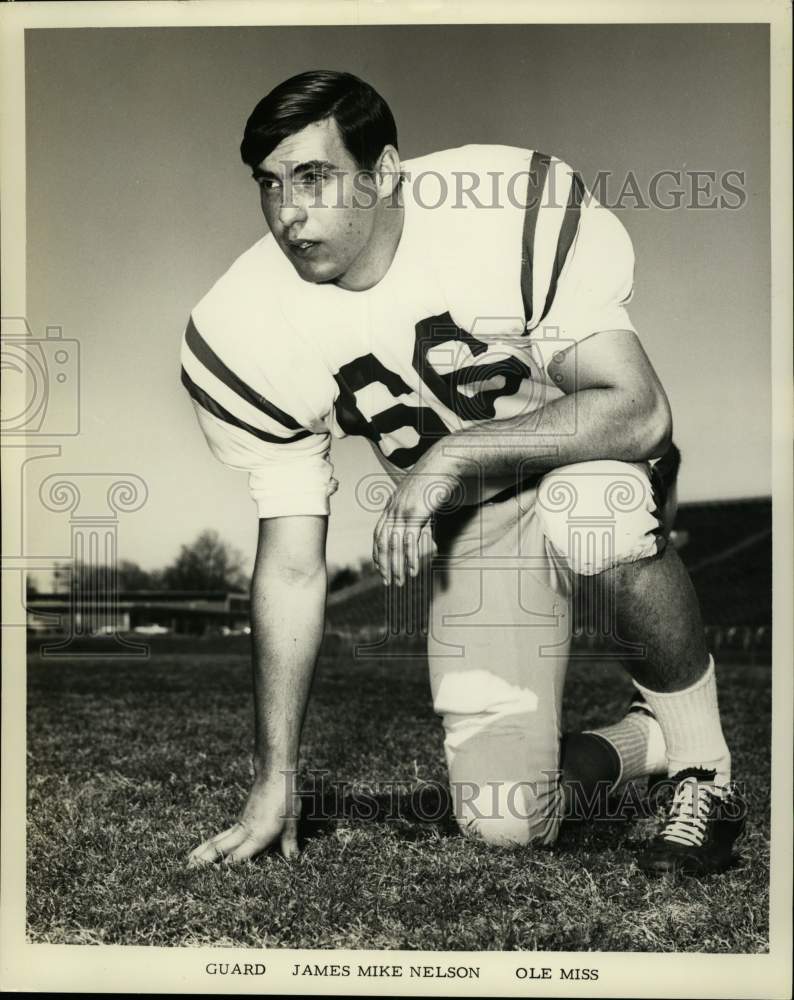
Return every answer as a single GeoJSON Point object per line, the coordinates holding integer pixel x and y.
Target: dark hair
{"type": "Point", "coordinates": [365, 122]}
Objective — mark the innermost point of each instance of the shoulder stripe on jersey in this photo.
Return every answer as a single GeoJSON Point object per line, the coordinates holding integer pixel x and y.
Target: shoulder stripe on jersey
{"type": "Point", "coordinates": [538, 169]}
{"type": "Point", "coordinates": [212, 406]}
{"type": "Point", "coordinates": [570, 224]}
{"type": "Point", "coordinates": [205, 354]}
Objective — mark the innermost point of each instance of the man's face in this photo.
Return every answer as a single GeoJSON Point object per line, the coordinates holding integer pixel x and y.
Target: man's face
{"type": "Point", "coordinates": [319, 206]}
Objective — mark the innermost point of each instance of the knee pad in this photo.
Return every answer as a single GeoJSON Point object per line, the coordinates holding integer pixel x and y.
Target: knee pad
{"type": "Point", "coordinates": [596, 515]}
{"type": "Point", "coordinates": [509, 814]}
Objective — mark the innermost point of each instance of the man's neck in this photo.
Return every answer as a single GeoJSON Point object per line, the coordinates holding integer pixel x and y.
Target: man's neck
{"type": "Point", "coordinates": [375, 259]}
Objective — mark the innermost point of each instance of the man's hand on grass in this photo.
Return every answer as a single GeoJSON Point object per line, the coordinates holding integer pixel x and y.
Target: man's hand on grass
{"type": "Point", "coordinates": [403, 534]}
{"type": "Point", "coordinates": [269, 818]}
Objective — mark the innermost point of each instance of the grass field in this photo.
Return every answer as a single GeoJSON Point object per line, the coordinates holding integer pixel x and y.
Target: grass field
{"type": "Point", "coordinates": [131, 764]}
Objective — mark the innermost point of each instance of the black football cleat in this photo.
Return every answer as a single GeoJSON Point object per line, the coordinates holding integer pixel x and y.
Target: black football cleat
{"type": "Point", "coordinates": [702, 826]}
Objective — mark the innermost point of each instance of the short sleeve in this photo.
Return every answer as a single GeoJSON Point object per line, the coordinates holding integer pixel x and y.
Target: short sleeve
{"type": "Point", "coordinates": [597, 281]}
{"type": "Point", "coordinates": [577, 262]}
{"type": "Point", "coordinates": [288, 465]}
{"type": "Point", "coordinates": [284, 478]}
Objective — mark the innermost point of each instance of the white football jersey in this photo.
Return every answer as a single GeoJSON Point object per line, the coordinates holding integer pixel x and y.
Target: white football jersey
{"type": "Point", "coordinates": [482, 290]}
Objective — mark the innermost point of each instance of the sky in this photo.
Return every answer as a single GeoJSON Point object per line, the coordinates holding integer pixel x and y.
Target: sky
{"type": "Point", "coordinates": [137, 202]}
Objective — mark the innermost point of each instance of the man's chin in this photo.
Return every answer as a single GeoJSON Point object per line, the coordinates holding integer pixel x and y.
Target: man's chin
{"type": "Point", "coordinates": [315, 274]}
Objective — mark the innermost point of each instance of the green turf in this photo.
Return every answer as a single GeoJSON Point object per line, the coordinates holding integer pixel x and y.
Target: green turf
{"type": "Point", "coordinates": [130, 765]}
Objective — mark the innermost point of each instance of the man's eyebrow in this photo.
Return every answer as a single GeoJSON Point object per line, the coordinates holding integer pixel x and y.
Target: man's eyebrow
{"type": "Point", "coordinates": [299, 168]}
{"type": "Point", "coordinates": [260, 175]}
{"type": "Point", "coordinates": [303, 168]}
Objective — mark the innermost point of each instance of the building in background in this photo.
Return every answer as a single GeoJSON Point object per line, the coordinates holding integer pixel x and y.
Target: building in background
{"type": "Point", "coordinates": [184, 612]}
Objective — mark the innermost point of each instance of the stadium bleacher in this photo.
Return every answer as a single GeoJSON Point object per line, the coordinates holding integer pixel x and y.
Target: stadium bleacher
{"type": "Point", "coordinates": [729, 556]}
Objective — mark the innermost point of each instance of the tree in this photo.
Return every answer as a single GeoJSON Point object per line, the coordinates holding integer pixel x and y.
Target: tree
{"type": "Point", "coordinates": [342, 577]}
{"type": "Point", "coordinates": [208, 563]}
{"type": "Point", "coordinates": [62, 578]}
{"type": "Point", "coordinates": [101, 579]}
{"type": "Point", "coordinates": [133, 577]}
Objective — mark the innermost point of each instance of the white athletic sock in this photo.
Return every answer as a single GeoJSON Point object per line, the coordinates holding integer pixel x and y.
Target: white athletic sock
{"type": "Point", "coordinates": [639, 744]}
{"type": "Point", "coordinates": [690, 721]}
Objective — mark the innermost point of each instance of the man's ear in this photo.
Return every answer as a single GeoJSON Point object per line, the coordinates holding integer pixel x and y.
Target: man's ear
{"type": "Point", "coordinates": [388, 170]}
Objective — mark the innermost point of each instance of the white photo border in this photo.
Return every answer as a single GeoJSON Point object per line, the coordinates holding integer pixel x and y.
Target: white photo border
{"type": "Point", "coordinates": [124, 969]}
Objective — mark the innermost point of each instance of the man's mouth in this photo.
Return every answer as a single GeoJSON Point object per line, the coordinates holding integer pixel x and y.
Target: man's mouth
{"type": "Point", "coordinates": [302, 248]}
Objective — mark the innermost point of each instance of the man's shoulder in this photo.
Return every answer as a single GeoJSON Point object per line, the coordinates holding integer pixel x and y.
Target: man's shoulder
{"type": "Point", "coordinates": [244, 283]}
{"type": "Point", "coordinates": [238, 340]}
{"type": "Point", "coordinates": [244, 303]}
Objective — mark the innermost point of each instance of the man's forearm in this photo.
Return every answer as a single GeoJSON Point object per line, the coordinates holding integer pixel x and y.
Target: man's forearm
{"type": "Point", "coordinates": [287, 617]}
{"type": "Point", "coordinates": [583, 426]}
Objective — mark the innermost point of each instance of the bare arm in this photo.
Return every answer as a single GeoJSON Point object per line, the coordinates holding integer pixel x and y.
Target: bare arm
{"type": "Point", "coordinates": [614, 407]}
{"type": "Point", "coordinates": [287, 617]}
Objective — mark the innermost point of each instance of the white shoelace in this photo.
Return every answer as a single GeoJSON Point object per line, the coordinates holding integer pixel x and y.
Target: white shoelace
{"type": "Point", "coordinates": [689, 813]}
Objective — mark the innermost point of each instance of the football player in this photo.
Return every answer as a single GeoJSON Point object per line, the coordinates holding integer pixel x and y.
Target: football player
{"type": "Point", "coordinates": [466, 312]}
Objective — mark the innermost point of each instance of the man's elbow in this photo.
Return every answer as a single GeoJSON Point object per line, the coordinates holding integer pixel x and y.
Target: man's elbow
{"type": "Point", "coordinates": [655, 429]}
{"type": "Point", "coordinates": [290, 552]}
{"type": "Point", "coordinates": [292, 574]}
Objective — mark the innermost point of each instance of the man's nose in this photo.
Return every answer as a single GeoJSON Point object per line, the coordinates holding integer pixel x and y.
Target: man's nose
{"type": "Point", "coordinates": [291, 211]}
